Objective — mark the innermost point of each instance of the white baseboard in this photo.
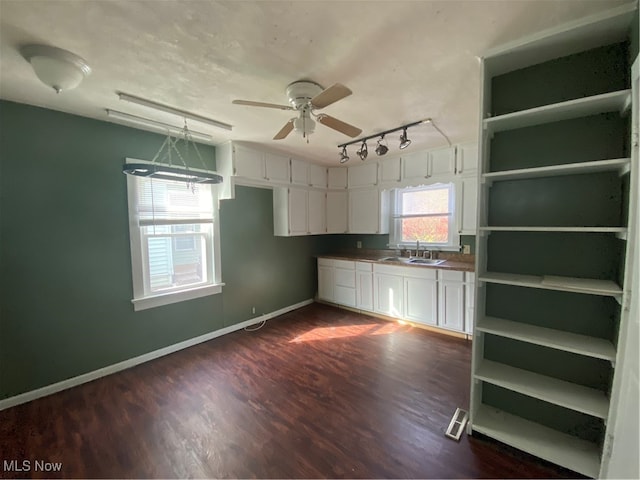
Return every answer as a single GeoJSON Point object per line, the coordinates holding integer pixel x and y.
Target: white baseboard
{"type": "Point", "coordinates": [132, 362]}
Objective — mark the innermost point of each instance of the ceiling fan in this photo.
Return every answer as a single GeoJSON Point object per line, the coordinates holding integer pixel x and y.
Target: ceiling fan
{"type": "Point", "coordinates": [305, 97]}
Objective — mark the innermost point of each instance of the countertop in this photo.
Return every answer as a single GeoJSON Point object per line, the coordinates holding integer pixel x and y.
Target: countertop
{"type": "Point", "coordinates": [453, 264]}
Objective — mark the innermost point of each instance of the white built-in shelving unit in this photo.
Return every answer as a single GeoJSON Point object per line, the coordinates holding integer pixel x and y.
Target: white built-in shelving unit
{"type": "Point", "coordinates": [553, 217]}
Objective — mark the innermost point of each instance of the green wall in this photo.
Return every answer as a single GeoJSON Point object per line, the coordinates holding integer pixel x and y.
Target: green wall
{"type": "Point", "coordinates": [65, 268]}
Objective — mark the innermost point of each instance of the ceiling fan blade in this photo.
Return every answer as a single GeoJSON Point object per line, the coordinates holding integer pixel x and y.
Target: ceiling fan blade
{"type": "Point", "coordinates": [284, 131]}
{"type": "Point", "coordinates": [262, 104]}
{"type": "Point", "coordinates": [330, 95]}
{"type": "Point", "coordinates": [339, 125]}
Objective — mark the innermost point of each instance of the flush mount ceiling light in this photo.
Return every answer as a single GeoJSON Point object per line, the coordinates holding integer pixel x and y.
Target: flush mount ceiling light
{"type": "Point", "coordinates": [55, 67]}
{"type": "Point", "coordinates": [382, 149]}
{"type": "Point", "coordinates": [404, 141]}
{"type": "Point", "coordinates": [344, 158]}
{"type": "Point", "coordinates": [364, 151]}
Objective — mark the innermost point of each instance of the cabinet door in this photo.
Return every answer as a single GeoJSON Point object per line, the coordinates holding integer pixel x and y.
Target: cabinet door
{"type": "Point", "coordinates": [467, 159]}
{"type": "Point", "coordinates": [363, 175]}
{"type": "Point", "coordinates": [325, 283]}
{"type": "Point", "coordinates": [469, 205]}
{"type": "Point", "coordinates": [415, 166]}
{"type": "Point", "coordinates": [276, 168]}
{"type": "Point", "coordinates": [337, 212]}
{"type": "Point", "coordinates": [364, 211]}
{"type": "Point", "coordinates": [389, 295]}
{"type": "Point", "coordinates": [317, 212]}
{"type": "Point", "coordinates": [337, 177]}
{"type": "Point", "coordinates": [443, 162]}
{"type": "Point", "coordinates": [364, 290]}
{"type": "Point", "coordinates": [317, 176]}
{"type": "Point", "coordinates": [451, 306]}
{"type": "Point", "coordinates": [469, 290]}
{"type": "Point", "coordinates": [421, 300]}
{"type": "Point", "coordinates": [390, 171]}
{"type": "Point", "coordinates": [298, 200]}
{"type": "Point", "coordinates": [248, 163]}
{"type": "Point", "coordinates": [299, 172]}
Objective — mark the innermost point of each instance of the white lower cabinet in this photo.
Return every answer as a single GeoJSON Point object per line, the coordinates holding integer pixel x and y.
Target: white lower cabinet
{"type": "Point", "coordinates": [451, 300]}
{"type": "Point", "coordinates": [364, 286]}
{"type": "Point", "coordinates": [441, 298]}
{"type": "Point", "coordinates": [421, 300]}
{"type": "Point", "coordinates": [388, 295]}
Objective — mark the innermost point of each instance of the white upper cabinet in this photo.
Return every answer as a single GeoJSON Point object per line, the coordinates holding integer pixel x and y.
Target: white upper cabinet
{"type": "Point", "coordinates": [415, 166]}
{"type": "Point", "coordinates": [390, 171]}
{"type": "Point", "coordinates": [365, 175]}
{"type": "Point", "coordinates": [442, 162]}
{"type": "Point", "coordinates": [290, 212]}
{"type": "Point", "coordinates": [317, 176]}
{"type": "Point", "coordinates": [248, 163]}
{"type": "Point", "coordinates": [276, 168]}
{"type": "Point", "coordinates": [317, 221]}
{"type": "Point", "coordinates": [337, 177]}
{"type": "Point", "coordinates": [368, 211]}
{"type": "Point", "coordinates": [469, 206]}
{"type": "Point", "coordinates": [467, 159]}
{"type": "Point", "coordinates": [299, 172]}
{"type": "Point", "coordinates": [337, 212]}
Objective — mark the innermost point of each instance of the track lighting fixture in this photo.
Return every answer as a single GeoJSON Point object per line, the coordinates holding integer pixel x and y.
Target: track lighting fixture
{"type": "Point", "coordinates": [364, 151]}
{"type": "Point", "coordinates": [381, 148]}
{"type": "Point", "coordinates": [344, 158]}
{"type": "Point", "coordinates": [404, 141]}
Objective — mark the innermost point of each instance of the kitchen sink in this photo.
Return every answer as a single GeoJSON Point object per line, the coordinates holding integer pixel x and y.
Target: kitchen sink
{"type": "Point", "coordinates": [394, 259]}
{"type": "Point", "coordinates": [426, 261]}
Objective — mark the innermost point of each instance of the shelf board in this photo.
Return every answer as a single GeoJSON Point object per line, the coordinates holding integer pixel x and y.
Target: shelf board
{"type": "Point", "coordinates": [559, 392]}
{"type": "Point", "coordinates": [564, 284]}
{"type": "Point", "coordinates": [618, 230]}
{"type": "Point", "coordinates": [556, 112]}
{"type": "Point", "coordinates": [616, 164]}
{"type": "Point", "coordinates": [548, 337]}
{"type": "Point", "coordinates": [544, 442]}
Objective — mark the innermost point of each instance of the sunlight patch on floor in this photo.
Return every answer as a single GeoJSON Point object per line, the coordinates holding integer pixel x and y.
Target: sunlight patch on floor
{"type": "Point", "coordinates": [328, 333]}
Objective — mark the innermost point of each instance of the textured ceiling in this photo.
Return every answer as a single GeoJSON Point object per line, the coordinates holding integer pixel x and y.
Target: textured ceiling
{"type": "Point", "coordinates": [404, 61]}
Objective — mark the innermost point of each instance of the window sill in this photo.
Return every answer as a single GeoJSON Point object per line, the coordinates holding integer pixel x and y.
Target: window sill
{"type": "Point", "coordinates": [152, 301]}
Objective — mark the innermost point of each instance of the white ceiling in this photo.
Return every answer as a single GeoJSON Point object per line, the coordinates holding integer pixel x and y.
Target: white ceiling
{"type": "Point", "coordinates": [404, 60]}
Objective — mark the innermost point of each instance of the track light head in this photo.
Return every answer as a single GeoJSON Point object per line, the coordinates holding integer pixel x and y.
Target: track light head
{"type": "Point", "coordinates": [364, 151]}
{"type": "Point", "coordinates": [380, 148]}
{"type": "Point", "coordinates": [404, 141]}
{"type": "Point", "coordinates": [344, 158]}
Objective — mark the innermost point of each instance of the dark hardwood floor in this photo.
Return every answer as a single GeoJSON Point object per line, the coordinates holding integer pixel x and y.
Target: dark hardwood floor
{"type": "Point", "coordinates": [319, 392]}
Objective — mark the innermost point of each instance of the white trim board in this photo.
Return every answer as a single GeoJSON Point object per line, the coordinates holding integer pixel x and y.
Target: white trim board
{"type": "Point", "coordinates": [132, 362]}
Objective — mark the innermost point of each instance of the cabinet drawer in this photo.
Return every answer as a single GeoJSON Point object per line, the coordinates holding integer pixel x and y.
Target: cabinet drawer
{"type": "Point", "coordinates": [390, 269]}
{"type": "Point", "coordinates": [346, 264]}
{"type": "Point", "coordinates": [345, 278]}
{"type": "Point", "coordinates": [364, 266]}
{"type": "Point", "coordinates": [452, 275]}
{"type": "Point", "coordinates": [345, 296]}
{"type": "Point", "coordinates": [325, 262]}
{"type": "Point", "coordinates": [421, 272]}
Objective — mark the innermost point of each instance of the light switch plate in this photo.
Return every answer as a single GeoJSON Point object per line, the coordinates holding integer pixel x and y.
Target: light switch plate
{"type": "Point", "coordinates": [466, 249]}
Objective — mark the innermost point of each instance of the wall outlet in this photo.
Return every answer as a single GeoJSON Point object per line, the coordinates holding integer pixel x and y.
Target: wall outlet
{"type": "Point", "coordinates": [358, 244]}
{"type": "Point", "coordinates": [466, 249]}
{"type": "Point", "coordinates": [253, 310]}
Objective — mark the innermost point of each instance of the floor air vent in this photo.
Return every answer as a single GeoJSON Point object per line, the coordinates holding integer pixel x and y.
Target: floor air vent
{"type": "Point", "coordinates": [457, 424]}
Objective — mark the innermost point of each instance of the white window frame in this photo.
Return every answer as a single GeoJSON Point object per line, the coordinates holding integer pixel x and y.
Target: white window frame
{"type": "Point", "coordinates": [453, 241]}
{"type": "Point", "coordinates": [142, 297]}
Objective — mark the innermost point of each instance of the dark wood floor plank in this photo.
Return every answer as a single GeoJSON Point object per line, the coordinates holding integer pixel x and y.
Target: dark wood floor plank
{"type": "Point", "coordinates": [317, 393]}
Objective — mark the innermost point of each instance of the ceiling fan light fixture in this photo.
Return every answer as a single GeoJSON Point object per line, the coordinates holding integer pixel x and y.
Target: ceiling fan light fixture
{"type": "Point", "coordinates": [363, 152]}
{"type": "Point", "coordinates": [404, 141]}
{"type": "Point", "coordinates": [344, 157]}
{"type": "Point", "coordinates": [380, 148]}
{"type": "Point", "coordinates": [55, 67]}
